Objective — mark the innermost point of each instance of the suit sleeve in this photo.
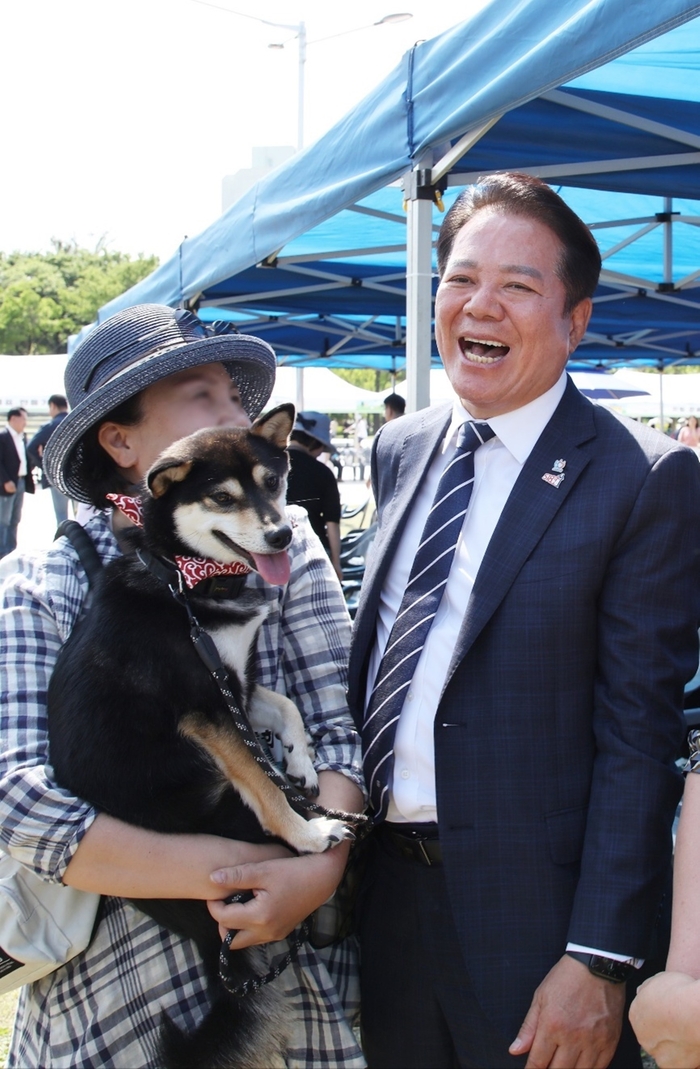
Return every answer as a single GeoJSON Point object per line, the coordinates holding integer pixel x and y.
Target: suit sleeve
{"type": "Point", "coordinates": [5, 474]}
{"type": "Point", "coordinates": [40, 439]}
{"type": "Point", "coordinates": [647, 648]}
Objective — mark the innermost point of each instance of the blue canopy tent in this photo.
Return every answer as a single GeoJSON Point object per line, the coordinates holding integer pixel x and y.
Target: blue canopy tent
{"type": "Point", "coordinates": [335, 271]}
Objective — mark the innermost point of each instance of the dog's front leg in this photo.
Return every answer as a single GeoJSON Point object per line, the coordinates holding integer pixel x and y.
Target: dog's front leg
{"type": "Point", "coordinates": [224, 744]}
{"type": "Point", "coordinates": [270, 711]}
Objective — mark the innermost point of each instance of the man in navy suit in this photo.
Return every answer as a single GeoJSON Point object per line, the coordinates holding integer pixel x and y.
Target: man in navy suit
{"type": "Point", "coordinates": [514, 887]}
{"type": "Point", "coordinates": [15, 477]}
{"type": "Point", "coordinates": [58, 410]}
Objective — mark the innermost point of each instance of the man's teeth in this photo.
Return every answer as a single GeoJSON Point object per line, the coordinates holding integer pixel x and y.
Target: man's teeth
{"type": "Point", "coordinates": [477, 350]}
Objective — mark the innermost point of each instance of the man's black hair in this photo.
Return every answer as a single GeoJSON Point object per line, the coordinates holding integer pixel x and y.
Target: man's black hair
{"type": "Point", "coordinates": [397, 402]}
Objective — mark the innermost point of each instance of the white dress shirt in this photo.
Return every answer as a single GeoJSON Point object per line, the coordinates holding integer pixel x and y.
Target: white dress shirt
{"type": "Point", "coordinates": [497, 465]}
{"type": "Point", "coordinates": [18, 439]}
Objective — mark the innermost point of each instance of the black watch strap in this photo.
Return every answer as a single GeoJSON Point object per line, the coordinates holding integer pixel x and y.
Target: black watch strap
{"type": "Point", "coordinates": [604, 968]}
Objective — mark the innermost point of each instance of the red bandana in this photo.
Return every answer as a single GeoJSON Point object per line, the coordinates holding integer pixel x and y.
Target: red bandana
{"type": "Point", "coordinates": [194, 569]}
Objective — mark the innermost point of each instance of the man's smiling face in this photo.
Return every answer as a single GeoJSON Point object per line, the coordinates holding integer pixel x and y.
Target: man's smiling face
{"type": "Point", "coordinates": [500, 323]}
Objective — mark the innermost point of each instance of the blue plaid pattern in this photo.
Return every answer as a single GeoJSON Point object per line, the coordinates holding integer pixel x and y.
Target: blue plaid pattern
{"type": "Point", "coordinates": [98, 1010]}
{"type": "Point", "coordinates": [420, 602]}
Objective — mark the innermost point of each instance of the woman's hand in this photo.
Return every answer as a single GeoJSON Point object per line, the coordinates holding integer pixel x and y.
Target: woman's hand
{"type": "Point", "coordinates": [665, 1016]}
{"type": "Point", "coordinates": [285, 892]}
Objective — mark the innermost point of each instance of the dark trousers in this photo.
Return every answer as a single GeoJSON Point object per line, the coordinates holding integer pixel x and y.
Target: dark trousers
{"type": "Point", "coordinates": [10, 515]}
{"type": "Point", "coordinates": [419, 1009]}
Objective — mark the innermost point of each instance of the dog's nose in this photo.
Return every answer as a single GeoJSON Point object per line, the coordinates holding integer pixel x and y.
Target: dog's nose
{"type": "Point", "coordinates": [280, 538]}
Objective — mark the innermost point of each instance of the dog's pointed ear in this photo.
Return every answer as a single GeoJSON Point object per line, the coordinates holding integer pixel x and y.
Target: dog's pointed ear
{"type": "Point", "coordinates": [165, 472]}
{"type": "Point", "coordinates": [276, 425]}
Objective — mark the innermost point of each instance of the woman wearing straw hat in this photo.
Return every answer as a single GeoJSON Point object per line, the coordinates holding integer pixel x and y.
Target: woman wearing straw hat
{"type": "Point", "coordinates": [142, 379]}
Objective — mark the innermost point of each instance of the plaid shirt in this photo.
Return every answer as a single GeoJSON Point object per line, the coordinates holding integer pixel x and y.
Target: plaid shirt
{"type": "Point", "coordinates": [99, 1009]}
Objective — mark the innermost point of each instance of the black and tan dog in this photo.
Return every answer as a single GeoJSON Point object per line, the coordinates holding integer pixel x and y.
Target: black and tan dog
{"type": "Point", "coordinates": [138, 727]}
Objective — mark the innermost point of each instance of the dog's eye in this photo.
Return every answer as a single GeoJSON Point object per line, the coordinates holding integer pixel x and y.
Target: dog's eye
{"type": "Point", "coordinates": [221, 498]}
{"type": "Point", "coordinates": [272, 482]}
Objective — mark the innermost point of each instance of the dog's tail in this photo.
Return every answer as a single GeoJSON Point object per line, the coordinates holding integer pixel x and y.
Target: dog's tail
{"type": "Point", "coordinates": [246, 1033]}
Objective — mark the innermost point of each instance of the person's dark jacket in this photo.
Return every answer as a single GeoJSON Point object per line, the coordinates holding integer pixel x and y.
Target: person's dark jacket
{"type": "Point", "coordinates": [9, 464]}
{"type": "Point", "coordinates": [40, 439]}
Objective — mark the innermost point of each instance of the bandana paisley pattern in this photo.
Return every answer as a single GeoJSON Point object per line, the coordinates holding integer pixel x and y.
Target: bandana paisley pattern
{"type": "Point", "coordinates": [194, 569]}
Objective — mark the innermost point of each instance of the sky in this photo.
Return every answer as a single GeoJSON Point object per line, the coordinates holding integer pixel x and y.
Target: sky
{"type": "Point", "coordinates": [121, 117]}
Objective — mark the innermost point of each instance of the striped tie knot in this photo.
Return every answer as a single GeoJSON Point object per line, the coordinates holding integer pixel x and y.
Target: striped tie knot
{"type": "Point", "coordinates": [419, 605]}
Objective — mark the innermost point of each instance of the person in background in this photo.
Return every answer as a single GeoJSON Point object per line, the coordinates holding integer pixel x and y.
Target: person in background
{"type": "Point", "coordinates": [689, 434]}
{"type": "Point", "coordinates": [15, 477]}
{"type": "Point", "coordinates": [526, 625]}
{"type": "Point", "coordinates": [58, 410]}
{"type": "Point", "coordinates": [394, 406]}
{"type": "Point", "coordinates": [312, 485]}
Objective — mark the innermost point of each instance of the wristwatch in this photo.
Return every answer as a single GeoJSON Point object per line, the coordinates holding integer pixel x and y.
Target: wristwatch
{"type": "Point", "coordinates": [605, 968]}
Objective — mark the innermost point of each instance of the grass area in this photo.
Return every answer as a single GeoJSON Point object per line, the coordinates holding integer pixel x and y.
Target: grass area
{"type": "Point", "coordinates": [8, 1003]}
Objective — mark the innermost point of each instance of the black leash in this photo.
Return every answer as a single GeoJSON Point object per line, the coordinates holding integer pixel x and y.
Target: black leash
{"type": "Point", "coordinates": [168, 572]}
{"type": "Point", "coordinates": [297, 939]}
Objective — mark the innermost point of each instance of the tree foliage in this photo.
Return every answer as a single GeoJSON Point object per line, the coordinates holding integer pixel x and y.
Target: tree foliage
{"type": "Point", "coordinates": [44, 297]}
{"type": "Point", "coordinates": [368, 379]}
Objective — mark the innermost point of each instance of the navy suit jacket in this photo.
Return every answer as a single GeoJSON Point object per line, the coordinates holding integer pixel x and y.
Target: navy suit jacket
{"type": "Point", "coordinates": [561, 718]}
{"type": "Point", "coordinates": [40, 439]}
{"type": "Point", "coordinates": [9, 463]}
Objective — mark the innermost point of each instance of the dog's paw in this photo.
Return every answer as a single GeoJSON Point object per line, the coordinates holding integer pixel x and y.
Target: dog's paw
{"type": "Point", "coordinates": [321, 834]}
{"type": "Point", "coordinates": [300, 770]}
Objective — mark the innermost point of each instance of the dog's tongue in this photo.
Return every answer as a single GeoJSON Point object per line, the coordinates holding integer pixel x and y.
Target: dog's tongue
{"type": "Point", "coordinates": [273, 567]}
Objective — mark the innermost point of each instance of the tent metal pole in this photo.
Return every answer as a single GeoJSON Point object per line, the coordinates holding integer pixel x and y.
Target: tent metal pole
{"type": "Point", "coordinates": [668, 240]}
{"type": "Point", "coordinates": [419, 287]}
{"type": "Point", "coordinates": [662, 424]}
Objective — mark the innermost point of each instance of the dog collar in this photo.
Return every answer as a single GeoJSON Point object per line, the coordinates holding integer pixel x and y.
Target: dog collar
{"type": "Point", "coordinates": [194, 570]}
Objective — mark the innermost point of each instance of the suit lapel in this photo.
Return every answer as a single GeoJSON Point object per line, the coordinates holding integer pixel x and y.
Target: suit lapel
{"type": "Point", "coordinates": [417, 454]}
{"type": "Point", "coordinates": [529, 510]}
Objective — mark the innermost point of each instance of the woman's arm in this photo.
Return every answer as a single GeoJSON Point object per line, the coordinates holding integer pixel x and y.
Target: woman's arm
{"type": "Point", "coordinates": [665, 1014]}
{"type": "Point", "coordinates": [115, 858]}
{"type": "Point", "coordinates": [333, 532]}
{"type": "Point", "coordinates": [684, 953]}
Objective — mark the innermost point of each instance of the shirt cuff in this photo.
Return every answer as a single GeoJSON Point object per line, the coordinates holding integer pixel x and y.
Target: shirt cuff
{"type": "Point", "coordinates": [637, 962]}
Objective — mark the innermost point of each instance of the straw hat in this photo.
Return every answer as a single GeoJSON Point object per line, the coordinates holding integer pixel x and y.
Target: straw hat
{"type": "Point", "coordinates": [130, 351]}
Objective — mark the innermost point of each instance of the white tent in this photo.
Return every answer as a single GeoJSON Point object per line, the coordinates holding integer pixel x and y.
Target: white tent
{"type": "Point", "coordinates": [29, 381]}
{"type": "Point", "coordinates": [324, 391]}
{"type": "Point", "coordinates": [670, 395]}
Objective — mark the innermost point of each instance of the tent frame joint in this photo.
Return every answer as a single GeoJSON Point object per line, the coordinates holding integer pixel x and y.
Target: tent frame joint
{"type": "Point", "coordinates": [665, 217]}
{"type": "Point", "coordinates": [418, 185]}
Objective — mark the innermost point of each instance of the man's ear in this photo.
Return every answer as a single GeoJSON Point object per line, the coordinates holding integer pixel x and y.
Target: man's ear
{"type": "Point", "coordinates": [276, 425]}
{"type": "Point", "coordinates": [165, 472]}
{"type": "Point", "coordinates": [580, 317]}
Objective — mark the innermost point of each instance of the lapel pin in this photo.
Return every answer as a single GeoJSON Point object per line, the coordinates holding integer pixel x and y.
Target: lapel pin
{"type": "Point", "coordinates": [558, 466]}
{"type": "Point", "coordinates": [552, 479]}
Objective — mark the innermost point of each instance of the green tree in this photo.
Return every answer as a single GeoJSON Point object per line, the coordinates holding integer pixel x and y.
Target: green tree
{"type": "Point", "coordinates": [44, 297]}
{"type": "Point", "coordinates": [368, 379]}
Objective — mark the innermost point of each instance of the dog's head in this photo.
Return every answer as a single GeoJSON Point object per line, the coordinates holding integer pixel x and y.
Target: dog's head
{"type": "Point", "coordinates": [221, 493]}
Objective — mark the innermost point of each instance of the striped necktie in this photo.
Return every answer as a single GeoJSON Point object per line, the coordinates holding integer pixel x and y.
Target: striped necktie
{"type": "Point", "coordinates": [424, 590]}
